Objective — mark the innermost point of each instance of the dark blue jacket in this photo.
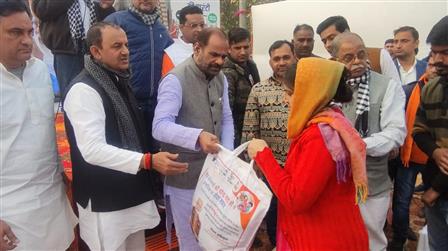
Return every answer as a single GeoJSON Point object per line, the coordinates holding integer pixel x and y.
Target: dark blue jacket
{"type": "Point", "coordinates": [420, 67]}
{"type": "Point", "coordinates": [146, 46]}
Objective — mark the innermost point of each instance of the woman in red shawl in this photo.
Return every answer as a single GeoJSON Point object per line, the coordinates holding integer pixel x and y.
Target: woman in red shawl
{"type": "Point", "coordinates": [325, 174]}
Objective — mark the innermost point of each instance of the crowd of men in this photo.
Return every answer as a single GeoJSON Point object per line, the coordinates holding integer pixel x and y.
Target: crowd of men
{"type": "Point", "coordinates": [140, 107]}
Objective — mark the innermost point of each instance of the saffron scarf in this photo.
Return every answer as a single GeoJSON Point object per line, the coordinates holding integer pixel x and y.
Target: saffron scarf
{"type": "Point", "coordinates": [315, 86]}
{"type": "Point", "coordinates": [410, 151]}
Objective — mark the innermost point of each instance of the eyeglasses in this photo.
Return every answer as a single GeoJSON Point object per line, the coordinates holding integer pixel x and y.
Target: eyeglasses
{"type": "Point", "coordinates": [194, 26]}
{"type": "Point", "coordinates": [350, 58]}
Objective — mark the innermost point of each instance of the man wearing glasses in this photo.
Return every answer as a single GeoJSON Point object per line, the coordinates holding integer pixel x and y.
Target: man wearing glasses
{"type": "Point", "coordinates": [377, 112]}
{"type": "Point", "coordinates": [191, 20]}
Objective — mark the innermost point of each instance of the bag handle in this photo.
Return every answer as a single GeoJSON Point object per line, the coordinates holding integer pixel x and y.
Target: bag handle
{"type": "Point", "coordinates": [240, 149]}
{"type": "Point", "coordinates": [237, 152]}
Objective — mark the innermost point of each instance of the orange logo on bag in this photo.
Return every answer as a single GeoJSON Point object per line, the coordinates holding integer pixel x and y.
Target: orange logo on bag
{"type": "Point", "coordinates": [247, 203]}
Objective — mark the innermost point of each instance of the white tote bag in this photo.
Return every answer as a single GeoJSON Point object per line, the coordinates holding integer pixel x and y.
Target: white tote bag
{"type": "Point", "coordinates": [229, 202]}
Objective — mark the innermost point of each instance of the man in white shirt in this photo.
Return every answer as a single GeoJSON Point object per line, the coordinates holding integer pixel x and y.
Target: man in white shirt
{"type": "Point", "coordinates": [377, 113]}
{"type": "Point", "coordinates": [406, 43]}
{"type": "Point", "coordinates": [34, 211]}
{"type": "Point", "coordinates": [379, 59]}
{"type": "Point", "coordinates": [112, 169]}
{"type": "Point", "coordinates": [191, 22]}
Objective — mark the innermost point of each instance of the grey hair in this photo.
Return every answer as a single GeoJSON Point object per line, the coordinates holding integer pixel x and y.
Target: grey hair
{"type": "Point", "coordinates": [339, 39]}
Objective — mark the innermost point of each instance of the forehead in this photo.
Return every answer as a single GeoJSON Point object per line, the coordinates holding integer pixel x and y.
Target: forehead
{"type": "Point", "coordinates": [194, 18]}
{"type": "Point", "coordinates": [217, 43]}
{"type": "Point", "coordinates": [281, 51]}
{"type": "Point", "coordinates": [350, 45]}
{"type": "Point", "coordinates": [330, 30]}
{"type": "Point", "coordinates": [303, 33]}
{"type": "Point", "coordinates": [19, 20]}
{"type": "Point", "coordinates": [113, 35]}
{"type": "Point", "coordinates": [404, 34]}
{"type": "Point", "coordinates": [245, 42]}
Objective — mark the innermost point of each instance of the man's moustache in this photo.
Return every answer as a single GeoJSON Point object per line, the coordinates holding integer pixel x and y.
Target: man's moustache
{"type": "Point", "coordinates": [356, 67]}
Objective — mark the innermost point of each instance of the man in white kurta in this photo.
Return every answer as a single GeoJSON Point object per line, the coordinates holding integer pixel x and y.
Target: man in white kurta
{"type": "Point", "coordinates": [111, 165]}
{"type": "Point", "coordinates": [33, 202]}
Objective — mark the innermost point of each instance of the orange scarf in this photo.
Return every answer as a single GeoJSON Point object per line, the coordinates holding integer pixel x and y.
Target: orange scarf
{"type": "Point", "coordinates": [410, 151]}
{"type": "Point", "coordinates": [315, 85]}
{"type": "Point", "coordinates": [353, 143]}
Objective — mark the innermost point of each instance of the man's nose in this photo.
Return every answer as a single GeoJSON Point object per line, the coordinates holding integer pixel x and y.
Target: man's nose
{"type": "Point", "coordinates": [28, 40]}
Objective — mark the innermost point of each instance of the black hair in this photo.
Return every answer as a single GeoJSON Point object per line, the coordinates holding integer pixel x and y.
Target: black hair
{"type": "Point", "coordinates": [188, 10]}
{"type": "Point", "coordinates": [439, 33]}
{"type": "Point", "coordinates": [9, 7]}
{"type": "Point", "coordinates": [205, 34]}
{"type": "Point", "coordinates": [94, 35]}
{"type": "Point", "coordinates": [410, 29]}
{"type": "Point", "coordinates": [279, 43]}
{"type": "Point", "coordinates": [303, 27]}
{"type": "Point", "coordinates": [344, 93]}
{"type": "Point", "coordinates": [389, 41]}
{"type": "Point", "coordinates": [338, 21]}
{"type": "Point", "coordinates": [290, 76]}
{"type": "Point", "coordinates": [237, 35]}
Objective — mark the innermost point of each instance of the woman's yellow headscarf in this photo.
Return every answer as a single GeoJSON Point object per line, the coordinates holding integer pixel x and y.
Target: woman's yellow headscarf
{"type": "Point", "coordinates": [315, 85]}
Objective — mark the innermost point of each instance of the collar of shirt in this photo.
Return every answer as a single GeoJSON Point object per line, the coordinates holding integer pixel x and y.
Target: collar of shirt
{"type": "Point", "coordinates": [408, 76]}
{"type": "Point", "coordinates": [402, 70]}
{"type": "Point", "coordinates": [275, 81]}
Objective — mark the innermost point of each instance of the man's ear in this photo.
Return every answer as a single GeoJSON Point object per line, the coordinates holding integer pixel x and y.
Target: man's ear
{"type": "Point", "coordinates": [196, 48]}
{"type": "Point", "coordinates": [95, 52]}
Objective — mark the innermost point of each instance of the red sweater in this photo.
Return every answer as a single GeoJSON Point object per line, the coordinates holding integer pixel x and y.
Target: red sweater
{"type": "Point", "coordinates": [315, 212]}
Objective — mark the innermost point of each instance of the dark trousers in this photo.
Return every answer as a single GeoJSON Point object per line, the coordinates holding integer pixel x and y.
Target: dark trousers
{"type": "Point", "coordinates": [437, 217]}
{"type": "Point", "coordinates": [67, 67]}
{"type": "Point", "coordinates": [148, 107]}
{"type": "Point", "coordinates": [271, 221]}
{"type": "Point", "coordinates": [404, 183]}
{"type": "Point", "coordinates": [271, 217]}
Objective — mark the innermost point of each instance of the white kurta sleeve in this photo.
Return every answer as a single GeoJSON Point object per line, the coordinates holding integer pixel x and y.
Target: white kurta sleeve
{"type": "Point", "coordinates": [392, 122]}
{"type": "Point", "coordinates": [84, 108]}
{"type": "Point", "coordinates": [227, 128]}
{"type": "Point", "coordinates": [388, 67]}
